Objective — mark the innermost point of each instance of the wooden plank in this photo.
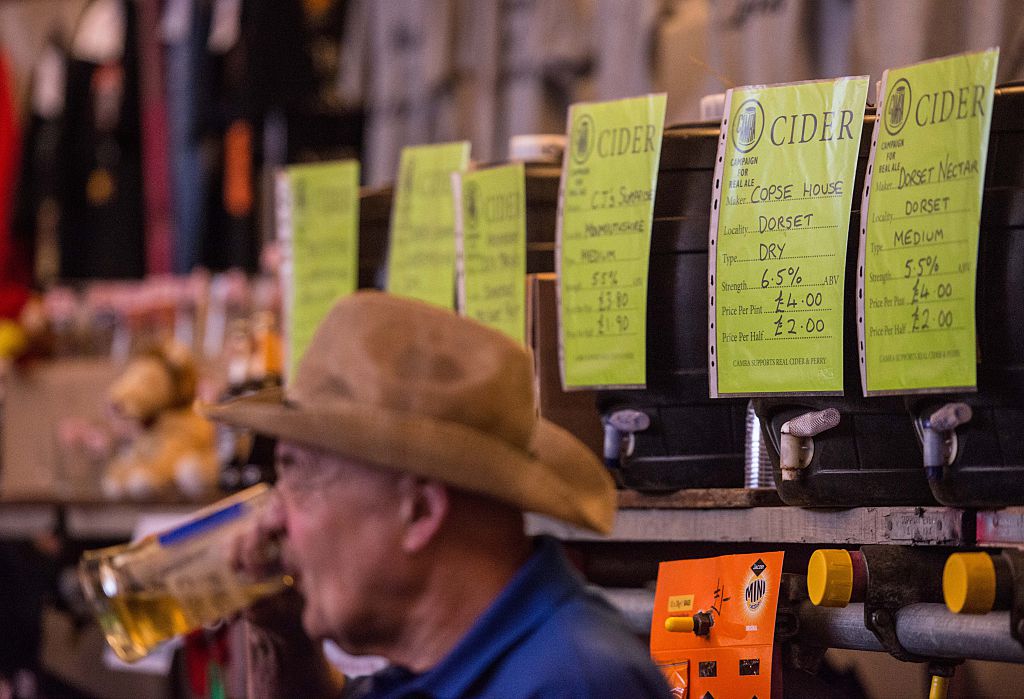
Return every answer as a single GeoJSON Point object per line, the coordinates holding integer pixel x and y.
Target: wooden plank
{"type": "Point", "coordinates": [116, 520]}
{"type": "Point", "coordinates": [25, 521]}
{"type": "Point", "coordinates": [1001, 527]}
{"type": "Point", "coordinates": [865, 525]}
{"type": "Point", "coordinates": [701, 499]}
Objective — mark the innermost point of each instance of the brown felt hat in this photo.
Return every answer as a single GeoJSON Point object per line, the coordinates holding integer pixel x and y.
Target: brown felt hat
{"type": "Point", "coordinates": [398, 383]}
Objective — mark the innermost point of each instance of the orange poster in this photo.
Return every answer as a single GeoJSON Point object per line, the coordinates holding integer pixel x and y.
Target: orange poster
{"type": "Point", "coordinates": [714, 624]}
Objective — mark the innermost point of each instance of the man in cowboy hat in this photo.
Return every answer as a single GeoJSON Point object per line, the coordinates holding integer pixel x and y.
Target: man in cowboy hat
{"type": "Point", "coordinates": [409, 448]}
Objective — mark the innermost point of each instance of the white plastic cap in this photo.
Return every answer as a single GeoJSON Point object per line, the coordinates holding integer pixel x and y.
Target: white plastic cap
{"type": "Point", "coordinates": [537, 148]}
{"type": "Point", "coordinates": [712, 107]}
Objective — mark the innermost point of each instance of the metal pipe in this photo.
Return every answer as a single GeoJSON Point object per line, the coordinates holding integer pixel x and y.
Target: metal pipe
{"type": "Point", "coordinates": [837, 627]}
{"type": "Point", "coordinates": [928, 630]}
{"type": "Point", "coordinates": [934, 631]}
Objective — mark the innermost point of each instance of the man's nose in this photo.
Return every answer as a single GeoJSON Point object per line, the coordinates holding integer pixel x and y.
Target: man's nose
{"type": "Point", "coordinates": [273, 519]}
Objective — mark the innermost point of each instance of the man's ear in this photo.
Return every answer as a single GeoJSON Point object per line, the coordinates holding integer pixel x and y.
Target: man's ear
{"type": "Point", "coordinates": [424, 507]}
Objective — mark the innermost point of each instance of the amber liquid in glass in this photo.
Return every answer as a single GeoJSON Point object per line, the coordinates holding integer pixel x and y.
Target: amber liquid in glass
{"type": "Point", "coordinates": [147, 592]}
{"type": "Point", "coordinates": [138, 623]}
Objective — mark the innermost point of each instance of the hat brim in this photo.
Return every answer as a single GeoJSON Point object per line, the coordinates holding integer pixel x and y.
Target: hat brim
{"type": "Point", "coordinates": [559, 476]}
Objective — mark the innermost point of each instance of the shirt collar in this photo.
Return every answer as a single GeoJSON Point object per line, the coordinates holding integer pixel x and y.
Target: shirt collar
{"type": "Point", "coordinates": [530, 597]}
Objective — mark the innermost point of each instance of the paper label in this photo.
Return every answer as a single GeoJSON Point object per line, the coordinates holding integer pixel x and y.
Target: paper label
{"type": "Point", "coordinates": [603, 240]}
{"type": "Point", "coordinates": [421, 256]}
{"type": "Point", "coordinates": [780, 221]}
{"type": "Point", "coordinates": [490, 234]}
{"type": "Point", "coordinates": [919, 226]}
{"type": "Point", "coordinates": [741, 594]}
{"type": "Point", "coordinates": [320, 213]}
{"type": "Point", "coordinates": [680, 603]}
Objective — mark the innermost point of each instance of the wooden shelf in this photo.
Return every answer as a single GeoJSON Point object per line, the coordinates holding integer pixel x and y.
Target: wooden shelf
{"type": "Point", "coordinates": [83, 519]}
{"type": "Point", "coordinates": [862, 525]}
{"type": "Point", "coordinates": [118, 520]}
{"type": "Point", "coordinates": [1001, 527]}
{"type": "Point", "coordinates": [728, 516]}
{"type": "Point", "coordinates": [26, 520]}
{"type": "Point", "coordinates": [701, 499]}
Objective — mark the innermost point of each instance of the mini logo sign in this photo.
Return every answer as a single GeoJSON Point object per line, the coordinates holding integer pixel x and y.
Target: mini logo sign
{"type": "Point", "coordinates": [747, 125]}
{"type": "Point", "coordinates": [758, 567]}
{"type": "Point", "coordinates": [754, 593]}
{"type": "Point", "coordinates": [583, 137]}
{"type": "Point", "coordinates": [897, 106]}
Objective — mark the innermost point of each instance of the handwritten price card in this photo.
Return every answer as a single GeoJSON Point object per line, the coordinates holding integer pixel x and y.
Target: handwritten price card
{"type": "Point", "coordinates": [779, 225]}
{"type": "Point", "coordinates": [319, 213]}
{"type": "Point", "coordinates": [421, 256]}
{"type": "Point", "coordinates": [490, 234]}
{"type": "Point", "coordinates": [919, 226]}
{"type": "Point", "coordinates": [604, 239]}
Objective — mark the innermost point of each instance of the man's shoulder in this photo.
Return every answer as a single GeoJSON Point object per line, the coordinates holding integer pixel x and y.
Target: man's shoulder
{"type": "Point", "coordinates": [585, 649]}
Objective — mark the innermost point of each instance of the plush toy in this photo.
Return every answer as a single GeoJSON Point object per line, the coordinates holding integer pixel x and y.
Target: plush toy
{"type": "Point", "coordinates": [173, 448]}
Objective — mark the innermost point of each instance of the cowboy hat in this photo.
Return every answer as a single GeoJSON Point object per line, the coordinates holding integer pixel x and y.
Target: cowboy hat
{"type": "Point", "coordinates": [398, 383]}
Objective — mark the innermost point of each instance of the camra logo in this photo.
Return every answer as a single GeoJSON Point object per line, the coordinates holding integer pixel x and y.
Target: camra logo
{"type": "Point", "coordinates": [471, 204]}
{"type": "Point", "coordinates": [582, 138]}
{"type": "Point", "coordinates": [747, 125]}
{"type": "Point", "coordinates": [897, 106]}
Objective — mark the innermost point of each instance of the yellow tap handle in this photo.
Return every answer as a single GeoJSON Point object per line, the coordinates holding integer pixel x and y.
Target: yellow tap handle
{"type": "Point", "coordinates": [830, 578]}
{"type": "Point", "coordinates": [969, 583]}
{"type": "Point", "coordinates": [939, 688]}
{"type": "Point", "coordinates": [679, 624]}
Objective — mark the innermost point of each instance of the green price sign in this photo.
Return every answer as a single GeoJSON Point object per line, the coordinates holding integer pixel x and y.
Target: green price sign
{"type": "Point", "coordinates": [780, 221]}
{"type": "Point", "coordinates": [604, 237]}
{"type": "Point", "coordinates": [490, 234]}
{"type": "Point", "coordinates": [919, 226]}
{"type": "Point", "coordinates": [421, 255]}
{"type": "Point", "coordinates": [319, 217]}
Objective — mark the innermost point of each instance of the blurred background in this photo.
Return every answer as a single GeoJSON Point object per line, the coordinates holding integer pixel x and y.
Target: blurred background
{"type": "Point", "coordinates": [138, 142]}
{"type": "Point", "coordinates": [137, 134]}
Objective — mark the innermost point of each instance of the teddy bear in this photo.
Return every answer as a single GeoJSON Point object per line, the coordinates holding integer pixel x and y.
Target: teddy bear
{"type": "Point", "coordinates": [172, 451]}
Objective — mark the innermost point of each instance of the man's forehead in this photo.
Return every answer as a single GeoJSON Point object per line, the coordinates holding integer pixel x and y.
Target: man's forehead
{"type": "Point", "coordinates": [291, 449]}
{"type": "Point", "coordinates": [292, 453]}
{"type": "Point", "coordinates": [294, 456]}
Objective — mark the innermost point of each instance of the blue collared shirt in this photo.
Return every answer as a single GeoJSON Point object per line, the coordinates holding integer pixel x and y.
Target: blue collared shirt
{"type": "Point", "coordinates": [544, 636]}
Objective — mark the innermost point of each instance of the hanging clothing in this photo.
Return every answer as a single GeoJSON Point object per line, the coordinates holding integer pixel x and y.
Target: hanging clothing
{"type": "Point", "coordinates": [682, 71]}
{"type": "Point", "coordinates": [545, 56]}
{"type": "Point", "coordinates": [396, 60]}
{"type": "Point", "coordinates": [762, 41]}
{"type": "Point", "coordinates": [321, 125]}
{"type": "Point", "coordinates": [40, 195]}
{"type": "Point", "coordinates": [477, 59]}
{"type": "Point", "coordinates": [14, 262]}
{"type": "Point", "coordinates": [155, 141]}
{"type": "Point", "coordinates": [623, 47]}
{"type": "Point", "coordinates": [184, 28]}
{"type": "Point", "coordinates": [891, 35]}
{"type": "Point", "coordinates": [259, 71]}
{"type": "Point", "coordinates": [101, 230]}
{"type": "Point", "coordinates": [519, 65]}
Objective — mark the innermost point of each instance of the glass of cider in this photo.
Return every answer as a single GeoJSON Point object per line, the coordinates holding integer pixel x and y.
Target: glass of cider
{"type": "Point", "coordinates": [149, 591]}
